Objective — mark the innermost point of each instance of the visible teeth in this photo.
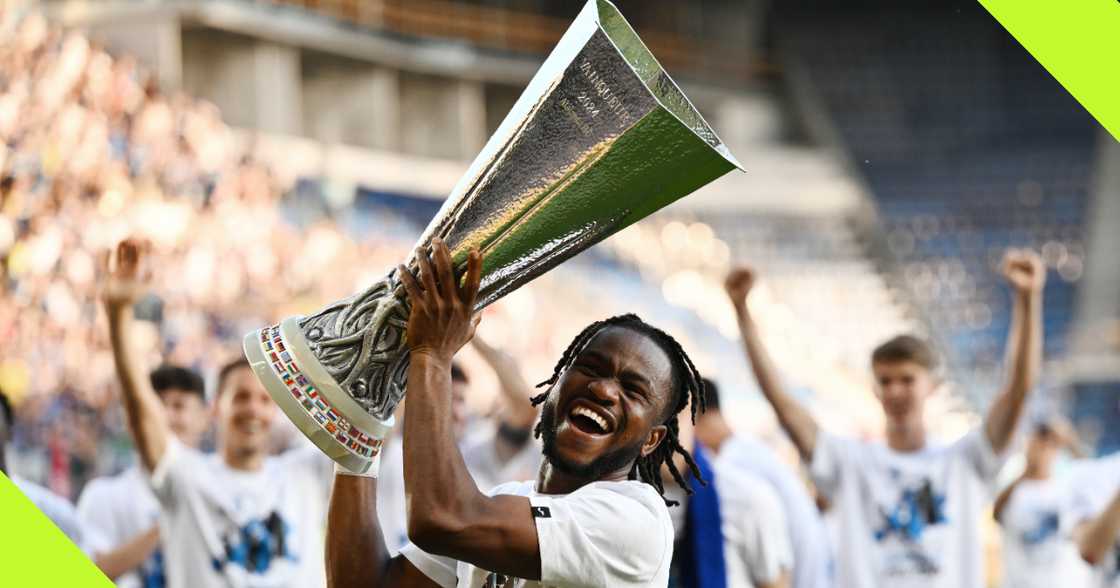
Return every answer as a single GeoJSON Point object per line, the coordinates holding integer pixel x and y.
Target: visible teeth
{"type": "Point", "coordinates": [581, 411]}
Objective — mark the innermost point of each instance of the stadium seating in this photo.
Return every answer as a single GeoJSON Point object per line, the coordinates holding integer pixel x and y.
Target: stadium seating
{"type": "Point", "coordinates": [969, 147]}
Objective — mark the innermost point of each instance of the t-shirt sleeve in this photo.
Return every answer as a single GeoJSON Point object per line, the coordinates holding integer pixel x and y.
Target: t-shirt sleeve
{"type": "Point", "coordinates": [981, 456]}
{"type": "Point", "coordinates": [96, 508]}
{"type": "Point", "coordinates": [601, 537]}
{"type": "Point", "coordinates": [832, 456]}
{"type": "Point", "coordinates": [754, 525]}
{"type": "Point", "coordinates": [766, 547]}
{"type": "Point", "coordinates": [178, 469]}
{"type": "Point", "coordinates": [441, 570]}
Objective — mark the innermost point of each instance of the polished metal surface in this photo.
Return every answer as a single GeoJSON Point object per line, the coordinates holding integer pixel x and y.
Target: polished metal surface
{"type": "Point", "coordinates": [601, 138]}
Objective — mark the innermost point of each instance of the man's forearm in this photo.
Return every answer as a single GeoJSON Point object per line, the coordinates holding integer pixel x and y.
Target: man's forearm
{"type": "Point", "coordinates": [1100, 534]}
{"type": "Point", "coordinates": [129, 556]}
{"type": "Point", "coordinates": [440, 490]}
{"type": "Point", "coordinates": [1024, 358]}
{"type": "Point", "coordinates": [794, 418]}
{"type": "Point", "coordinates": [146, 418]}
{"type": "Point", "coordinates": [356, 555]}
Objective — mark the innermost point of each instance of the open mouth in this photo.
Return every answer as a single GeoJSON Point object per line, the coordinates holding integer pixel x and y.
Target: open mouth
{"type": "Point", "coordinates": [589, 421]}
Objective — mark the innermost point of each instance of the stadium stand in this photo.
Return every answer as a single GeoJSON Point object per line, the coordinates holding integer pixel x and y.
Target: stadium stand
{"type": "Point", "coordinates": [969, 147]}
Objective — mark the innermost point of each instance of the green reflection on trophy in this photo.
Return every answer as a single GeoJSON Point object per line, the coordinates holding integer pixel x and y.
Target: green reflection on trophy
{"type": "Point", "coordinates": [600, 139]}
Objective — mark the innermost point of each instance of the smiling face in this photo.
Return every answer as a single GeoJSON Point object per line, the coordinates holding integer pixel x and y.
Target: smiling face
{"type": "Point", "coordinates": [245, 413]}
{"type": "Point", "coordinates": [607, 408]}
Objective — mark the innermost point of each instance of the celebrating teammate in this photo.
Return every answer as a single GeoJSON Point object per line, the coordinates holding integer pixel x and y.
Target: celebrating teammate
{"type": "Point", "coordinates": [595, 516]}
{"type": "Point", "coordinates": [237, 518]}
{"type": "Point", "coordinates": [1038, 515]}
{"type": "Point", "coordinates": [122, 509]}
{"type": "Point", "coordinates": [910, 511]}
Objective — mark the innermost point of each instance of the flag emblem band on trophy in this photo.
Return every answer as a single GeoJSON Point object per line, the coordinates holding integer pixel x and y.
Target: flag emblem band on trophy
{"type": "Point", "coordinates": [600, 139]}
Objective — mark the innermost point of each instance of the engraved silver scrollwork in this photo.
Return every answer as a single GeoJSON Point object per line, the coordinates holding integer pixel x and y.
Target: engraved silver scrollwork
{"type": "Point", "coordinates": [360, 342]}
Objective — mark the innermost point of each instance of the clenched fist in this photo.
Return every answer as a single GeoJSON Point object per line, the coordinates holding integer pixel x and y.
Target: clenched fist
{"type": "Point", "coordinates": [738, 285]}
{"type": "Point", "coordinates": [1024, 270]}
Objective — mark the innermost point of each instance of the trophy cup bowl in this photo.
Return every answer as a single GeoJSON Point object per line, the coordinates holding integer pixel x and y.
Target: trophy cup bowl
{"type": "Point", "coordinates": [600, 139]}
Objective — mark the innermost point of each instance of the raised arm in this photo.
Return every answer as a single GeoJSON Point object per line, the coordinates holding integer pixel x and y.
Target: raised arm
{"type": "Point", "coordinates": [1026, 273]}
{"type": "Point", "coordinates": [1099, 535]}
{"type": "Point", "coordinates": [127, 276]}
{"type": "Point", "coordinates": [794, 418]}
{"type": "Point", "coordinates": [447, 515]}
{"type": "Point", "coordinates": [517, 414]}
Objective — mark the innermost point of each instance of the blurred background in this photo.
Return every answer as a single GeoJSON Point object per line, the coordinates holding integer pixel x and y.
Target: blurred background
{"type": "Point", "coordinates": [282, 154]}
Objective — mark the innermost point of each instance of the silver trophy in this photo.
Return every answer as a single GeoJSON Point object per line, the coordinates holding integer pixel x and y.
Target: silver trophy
{"type": "Point", "coordinates": [600, 139]}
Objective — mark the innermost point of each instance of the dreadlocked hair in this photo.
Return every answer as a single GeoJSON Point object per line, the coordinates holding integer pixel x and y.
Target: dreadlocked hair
{"type": "Point", "coordinates": [688, 388]}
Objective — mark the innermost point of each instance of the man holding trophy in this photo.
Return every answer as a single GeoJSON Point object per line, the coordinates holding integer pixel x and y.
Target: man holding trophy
{"type": "Point", "coordinates": [600, 139]}
{"type": "Point", "coordinates": [594, 517]}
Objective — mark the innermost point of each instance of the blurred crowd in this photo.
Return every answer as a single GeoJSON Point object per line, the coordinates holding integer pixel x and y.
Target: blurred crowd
{"type": "Point", "coordinates": [92, 151]}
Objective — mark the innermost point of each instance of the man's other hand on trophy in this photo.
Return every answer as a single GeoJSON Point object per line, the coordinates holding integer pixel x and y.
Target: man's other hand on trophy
{"type": "Point", "coordinates": [442, 318]}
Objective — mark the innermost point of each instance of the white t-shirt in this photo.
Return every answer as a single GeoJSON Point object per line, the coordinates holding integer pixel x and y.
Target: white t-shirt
{"type": "Point", "coordinates": [1093, 485]}
{"type": "Point", "coordinates": [1038, 547]}
{"type": "Point", "coordinates": [604, 534]}
{"type": "Point", "coordinates": [120, 509]}
{"type": "Point", "coordinates": [222, 527]}
{"type": "Point", "coordinates": [59, 511]}
{"type": "Point", "coordinates": [908, 520]}
{"type": "Point", "coordinates": [812, 551]}
{"type": "Point", "coordinates": [756, 543]}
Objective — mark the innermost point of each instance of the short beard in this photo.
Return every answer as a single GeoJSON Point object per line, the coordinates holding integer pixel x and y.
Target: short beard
{"type": "Point", "coordinates": [611, 461]}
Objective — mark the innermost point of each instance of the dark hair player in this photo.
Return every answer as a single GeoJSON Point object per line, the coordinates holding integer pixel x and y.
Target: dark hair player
{"type": "Point", "coordinates": [595, 515]}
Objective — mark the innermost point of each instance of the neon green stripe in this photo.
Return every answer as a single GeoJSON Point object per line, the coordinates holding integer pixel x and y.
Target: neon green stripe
{"type": "Point", "coordinates": [1078, 42]}
{"type": "Point", "coordinates": [33, 552]}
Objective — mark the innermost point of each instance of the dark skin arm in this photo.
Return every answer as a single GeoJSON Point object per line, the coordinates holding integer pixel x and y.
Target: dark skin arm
{"type": "Point", "coordinates": [447, 513]}
{"type": "Point", "coordinates": [356, 555]}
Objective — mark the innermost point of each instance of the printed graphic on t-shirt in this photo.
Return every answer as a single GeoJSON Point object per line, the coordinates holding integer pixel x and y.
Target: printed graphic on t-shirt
{"type": "Point", "coordinates": [151, 571]}
{"type": "Point", "coordinates": [906, 528]}
{"type": "Point", "coordinates": [1045, 525]}
{"type": "Point", "coordinates": [257, 545]}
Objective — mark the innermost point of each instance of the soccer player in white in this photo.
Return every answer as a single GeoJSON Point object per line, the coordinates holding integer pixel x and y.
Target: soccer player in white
{"type": "Point", "coordinates": [910, 510]}
{"type": "Point", "coordinates": [122, 509]}
{"type": "Point", "coordinates": [1038, 513]}
{"type": "Point", "coordinates": [595, 516]}
{"type": "Point", "coordinates": [239, 517]}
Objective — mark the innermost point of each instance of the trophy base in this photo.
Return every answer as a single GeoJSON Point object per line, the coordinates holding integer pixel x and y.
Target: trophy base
{"type": "Point", "coordinates": [311, 399]}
